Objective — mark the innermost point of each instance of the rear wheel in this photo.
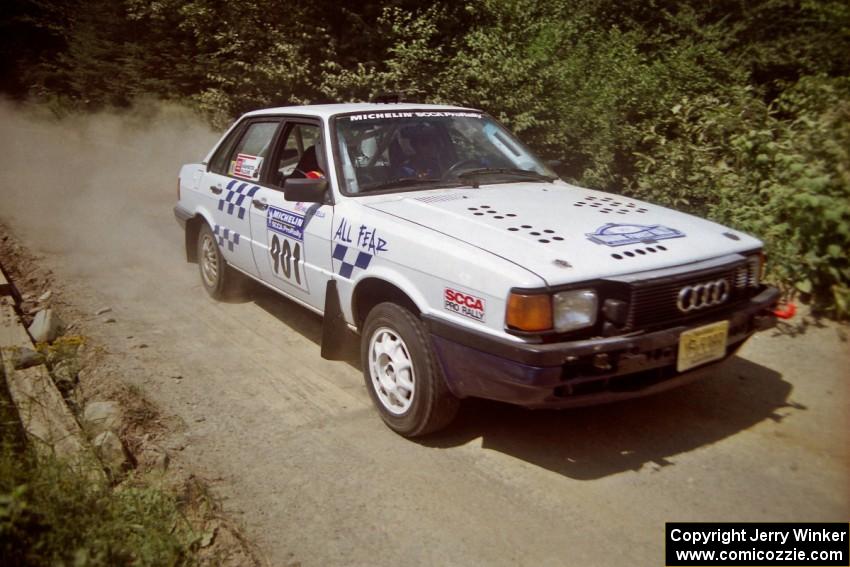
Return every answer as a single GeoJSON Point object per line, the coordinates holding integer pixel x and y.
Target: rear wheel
{"type": "Point", "coordinates": [216, 275]}
{"type": "Point", "coordinates": [402, 375]}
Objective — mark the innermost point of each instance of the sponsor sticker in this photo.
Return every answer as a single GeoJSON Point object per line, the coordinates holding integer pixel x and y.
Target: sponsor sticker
{"type": "Point", "coordinates": [429, 114]}
{"type": "Point", "coordinates": [613, 234]}
{"type": "Point", "coordinates": [464, 304]}
{"type": "Point", "coordinates": [310, 208]}
{"type": "Point", "coordinates": [364, 237]}
{"type": "Point", "coordinates": [246, 166]}
{"type": "Point", "coordinates": [285, 223]}
{"type": "Point", "coordinates": [286, 258]}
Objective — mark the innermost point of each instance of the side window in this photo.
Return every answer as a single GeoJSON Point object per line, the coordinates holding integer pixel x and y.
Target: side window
{"type": "Point", "coordinates": [301, 155]}
{"type": "Point", "coordinates": [218, 163]}
{"type": "Point", "coordinates": [246, 159]}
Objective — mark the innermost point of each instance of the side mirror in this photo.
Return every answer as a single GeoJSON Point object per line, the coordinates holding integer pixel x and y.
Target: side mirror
{"type": "Point", "coordinates": [305, 190]}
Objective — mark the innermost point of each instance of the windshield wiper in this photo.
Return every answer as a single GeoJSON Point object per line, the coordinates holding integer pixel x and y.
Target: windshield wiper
{"type": "Point", "coordinates": [400, 182]}
{"type": "Point", "coordinates": [504, 171]}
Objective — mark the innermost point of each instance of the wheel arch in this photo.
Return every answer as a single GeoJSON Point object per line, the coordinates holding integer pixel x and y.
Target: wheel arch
{"type": "Point", "coordinates": [193, 228]}
{"type": "Point", "coordinates": [371, 290]}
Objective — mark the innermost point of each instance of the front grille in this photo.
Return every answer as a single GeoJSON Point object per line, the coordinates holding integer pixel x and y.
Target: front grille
{"type": "Point", "coordinates": [653, 302]}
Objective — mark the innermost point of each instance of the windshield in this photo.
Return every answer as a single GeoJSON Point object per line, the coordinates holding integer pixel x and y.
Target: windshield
{"type": "Point", "coordinates": [409, 150]}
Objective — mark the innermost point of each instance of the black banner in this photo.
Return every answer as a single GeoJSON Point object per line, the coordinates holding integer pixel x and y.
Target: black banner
{"type": "Point", "coordinates": [692, 544]}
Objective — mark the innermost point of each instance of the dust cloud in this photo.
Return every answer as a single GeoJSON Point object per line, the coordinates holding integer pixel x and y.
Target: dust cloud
{"type": "Point", "coordinates": [96, 191]}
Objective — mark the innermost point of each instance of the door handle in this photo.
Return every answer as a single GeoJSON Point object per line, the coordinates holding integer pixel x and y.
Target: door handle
{"type": "Point", "coordinates": [216, 190]}
{"type": "Point", "coordinates": [262, 205]}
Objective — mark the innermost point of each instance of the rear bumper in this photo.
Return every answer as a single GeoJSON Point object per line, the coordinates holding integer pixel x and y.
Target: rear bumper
{"type": "Point", "coordinates": [583, 372]}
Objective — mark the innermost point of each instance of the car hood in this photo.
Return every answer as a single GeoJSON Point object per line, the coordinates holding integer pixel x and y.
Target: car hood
{"type": "Point", "coordinates": [565, 233]}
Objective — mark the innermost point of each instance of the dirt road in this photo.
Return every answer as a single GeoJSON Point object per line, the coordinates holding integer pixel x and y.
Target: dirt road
{"type": "Point", "coordinates": [305, 464]}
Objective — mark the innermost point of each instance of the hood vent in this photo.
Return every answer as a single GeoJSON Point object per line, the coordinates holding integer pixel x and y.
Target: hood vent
{"type": "Point", "coordinates": [487, 210]}
{"type": "Point", "coordinates": [634, 253]}
{"type": "Point", "coordinates": [543, 235]}
{"type": "Point", "coordinates": [440, 198]}
{"type": "Point", "coordinates": [608, 205]}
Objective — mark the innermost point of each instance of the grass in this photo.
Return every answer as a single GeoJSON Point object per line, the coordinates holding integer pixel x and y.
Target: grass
{"type": "Point", "coordinates": [52, 513]}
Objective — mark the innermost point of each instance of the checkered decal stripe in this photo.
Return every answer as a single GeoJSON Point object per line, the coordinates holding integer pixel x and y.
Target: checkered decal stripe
{"type": "Point", "coordinates": [234, 196]}
{"type": "Point", "coordinates": [224, 234]}
{"type": "Point", "coordinates": [346, 268]}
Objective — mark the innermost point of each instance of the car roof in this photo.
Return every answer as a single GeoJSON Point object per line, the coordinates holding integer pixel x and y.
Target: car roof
{"type": "Point", "coordinates": [325, 111]}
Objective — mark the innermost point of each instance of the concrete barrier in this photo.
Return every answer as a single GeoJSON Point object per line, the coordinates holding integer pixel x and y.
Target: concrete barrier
{"type": "Point", "coordinates": [46, 419]}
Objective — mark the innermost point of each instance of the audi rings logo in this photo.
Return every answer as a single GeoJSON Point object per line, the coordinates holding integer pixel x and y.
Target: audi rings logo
{"type": "Point", "coordinates": [702, 295]}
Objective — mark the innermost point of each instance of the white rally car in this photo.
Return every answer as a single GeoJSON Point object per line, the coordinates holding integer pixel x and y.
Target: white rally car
{"type": "Point", "coordinates": [465, 265]}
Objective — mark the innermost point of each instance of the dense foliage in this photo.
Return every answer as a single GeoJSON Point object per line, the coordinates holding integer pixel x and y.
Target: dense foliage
{"type": "Point", "coordinates": [731, 109]}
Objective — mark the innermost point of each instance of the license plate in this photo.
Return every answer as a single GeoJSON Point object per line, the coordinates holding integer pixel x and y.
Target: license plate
{"type": "Point", "coordinates": [701, 345]}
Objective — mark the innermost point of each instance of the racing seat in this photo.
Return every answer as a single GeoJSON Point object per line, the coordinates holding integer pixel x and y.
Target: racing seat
{"type": "Point", "coordinates": [397, 158]}
{"type": "Point", "coordinates": [308, 164]}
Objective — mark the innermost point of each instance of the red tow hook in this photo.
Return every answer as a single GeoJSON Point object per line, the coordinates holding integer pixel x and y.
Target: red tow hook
{"type": "Point", "coordinates": [786, 313]}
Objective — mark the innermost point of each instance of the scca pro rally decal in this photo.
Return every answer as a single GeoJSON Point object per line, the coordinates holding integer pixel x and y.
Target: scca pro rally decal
{"type": "Point", "coordinates": [613, 234]}
{"type": "Point", "coordinates": [356, 249]}
{"type": "Point", "coordinates": [464, 304]}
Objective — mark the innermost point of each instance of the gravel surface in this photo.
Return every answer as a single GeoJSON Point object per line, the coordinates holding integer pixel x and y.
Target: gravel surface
{"type": "Point", "coordinates": [303, 462]}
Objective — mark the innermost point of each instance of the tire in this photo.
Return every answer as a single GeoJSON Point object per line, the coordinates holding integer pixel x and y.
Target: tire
{"type": "Point", "coordinates": [402, 375]}
{"type": "Point", "coordinates": [216, 276]}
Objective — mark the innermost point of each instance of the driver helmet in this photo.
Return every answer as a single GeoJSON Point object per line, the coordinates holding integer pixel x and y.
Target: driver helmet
{"type": "Point", "coordinates": [414, 138]}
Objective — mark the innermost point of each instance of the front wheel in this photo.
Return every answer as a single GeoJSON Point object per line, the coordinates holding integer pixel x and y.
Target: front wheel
{"type": "Point", "coordinates": [402, 375]}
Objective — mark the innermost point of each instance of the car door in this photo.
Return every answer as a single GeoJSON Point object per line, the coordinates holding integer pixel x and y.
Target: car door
{"type": "Point", "coordinates": [291, 241]}
{"type": "Point", "coordinates": [232, 181]}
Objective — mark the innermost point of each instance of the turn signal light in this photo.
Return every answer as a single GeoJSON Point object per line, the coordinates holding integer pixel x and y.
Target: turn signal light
{"type": "Point", "coordinates": [529, 312]}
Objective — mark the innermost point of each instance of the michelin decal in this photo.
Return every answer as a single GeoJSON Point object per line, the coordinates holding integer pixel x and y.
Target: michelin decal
{"type": "Point", "coordinates": [419, 114]}
{"type": "Point", "coordinates": [286, 223]}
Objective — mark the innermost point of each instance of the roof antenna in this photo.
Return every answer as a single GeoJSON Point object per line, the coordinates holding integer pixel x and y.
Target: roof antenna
{"type": "Point", "coordinates": [387, 98]}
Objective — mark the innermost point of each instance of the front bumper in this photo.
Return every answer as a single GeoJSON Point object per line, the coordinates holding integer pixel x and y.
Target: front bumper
{"type": "Point", "coordinates": [182, 215]}
{"type": "Point", "coordinates": [582, 372]}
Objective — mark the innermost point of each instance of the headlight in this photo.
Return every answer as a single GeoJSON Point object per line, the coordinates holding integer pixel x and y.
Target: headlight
{"type": "Point", "coordinates": [574, 309]}
{"type": "Point", "coordinates": [540, 312]}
